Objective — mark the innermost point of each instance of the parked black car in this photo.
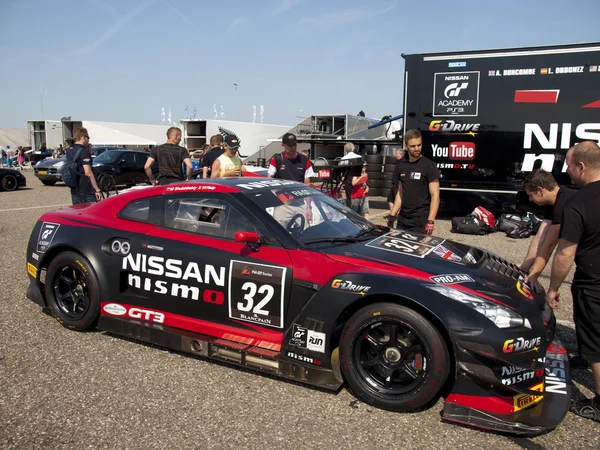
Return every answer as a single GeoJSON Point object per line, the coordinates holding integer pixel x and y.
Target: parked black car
{"type": "Point", "coordinates": [11, 179]}
{"type": "Point", "coordinates": [49, 170]}
{"type": "Point", "coordinates": [125, 167]}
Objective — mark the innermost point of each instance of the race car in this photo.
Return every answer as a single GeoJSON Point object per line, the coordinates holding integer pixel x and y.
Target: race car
{"type": "Point", "coordinates": [276, 276]}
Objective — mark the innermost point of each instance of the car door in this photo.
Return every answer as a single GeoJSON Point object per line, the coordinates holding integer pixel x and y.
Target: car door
{"type": "Point", "coordinates": [206, 280]}
{"type": "Point", "coordinates": [126, 168]}
{"type": "Point", "coordinates": [140, 173]}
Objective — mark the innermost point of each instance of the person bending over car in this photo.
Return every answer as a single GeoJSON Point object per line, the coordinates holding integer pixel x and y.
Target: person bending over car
{"type": "Point", "coordinates": [171, 157]}
{"type": "Point", "coordinates": [86, 189]}
{"type": "Point", "coordinates": [418, 196]}
{"type": "Point", "coordinates": [542, 189]}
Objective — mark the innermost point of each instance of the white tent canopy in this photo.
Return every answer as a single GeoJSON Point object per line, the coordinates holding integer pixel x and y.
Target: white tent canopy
{"type": "Point", "coordinates": [102, 135]}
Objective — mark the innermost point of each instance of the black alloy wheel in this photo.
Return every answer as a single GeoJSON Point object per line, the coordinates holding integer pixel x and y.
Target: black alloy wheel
{"type": "Point", "coordinates": [8, 183]}
{"type": "Point", "coordinates": [393, 358]}
{"type": "Point", "coordinates": [72, 291]}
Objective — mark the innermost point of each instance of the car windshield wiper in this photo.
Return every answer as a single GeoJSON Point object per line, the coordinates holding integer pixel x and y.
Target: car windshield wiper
{"type": "Point", "coordinates": [370, 230]}
{"type": "Point", "coordinates": [331, 239]}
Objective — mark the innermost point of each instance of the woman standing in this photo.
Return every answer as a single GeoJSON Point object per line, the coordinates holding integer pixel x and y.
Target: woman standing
{"type": "Point", "coordinates": [20, 158]}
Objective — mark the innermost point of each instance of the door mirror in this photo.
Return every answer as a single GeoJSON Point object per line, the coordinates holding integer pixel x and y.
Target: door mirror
{"type": "Point", "coordinates": [249, 237]}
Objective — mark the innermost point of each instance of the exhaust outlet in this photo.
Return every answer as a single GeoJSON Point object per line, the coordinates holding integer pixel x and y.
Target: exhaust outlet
{"type": "Point", "coordinates": [257, 361]}
{"type": "Point", "coordinates": [196, 347]}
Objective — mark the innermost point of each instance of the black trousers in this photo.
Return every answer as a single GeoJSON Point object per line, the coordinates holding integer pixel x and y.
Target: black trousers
{"type": "Point", "coordinates": [586, 315]}
{"type": "Point", "coordinates": [414, 224]}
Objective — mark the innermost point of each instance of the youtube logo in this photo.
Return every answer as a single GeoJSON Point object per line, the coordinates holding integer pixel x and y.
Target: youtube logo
{"type": "Point", "coordinates": [462, 151]}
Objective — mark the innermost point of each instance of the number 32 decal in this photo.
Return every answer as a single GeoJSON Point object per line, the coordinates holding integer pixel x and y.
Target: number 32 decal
{"type": "Point", "coordinates": [256, 293]}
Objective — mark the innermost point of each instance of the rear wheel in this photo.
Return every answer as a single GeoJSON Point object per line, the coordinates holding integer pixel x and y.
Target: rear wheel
{"type": "Point", "coordinates": [48, 182]}
{"type": "Point", "coordinates": [72, 291]}
{"type": "Point", "coordinates": [393, 358]}
{"type": "Point", "coordinates": [8, 183]}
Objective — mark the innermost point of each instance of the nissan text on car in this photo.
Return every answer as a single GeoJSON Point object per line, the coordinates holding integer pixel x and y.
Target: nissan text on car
{"type": "Point", "coordinates": [238, 270]}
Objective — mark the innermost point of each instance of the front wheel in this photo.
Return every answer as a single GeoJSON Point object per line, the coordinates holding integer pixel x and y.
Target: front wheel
{"type": "Point", "coordinates": [393, 358]}
{"type": "Point", "coordinates": [8, 183]}
{"type": "Point", "coordinates": [73, 292]}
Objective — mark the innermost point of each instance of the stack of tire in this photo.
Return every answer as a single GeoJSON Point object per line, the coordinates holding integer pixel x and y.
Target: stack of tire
{"type": "Point", "coordinates": [380, 171]}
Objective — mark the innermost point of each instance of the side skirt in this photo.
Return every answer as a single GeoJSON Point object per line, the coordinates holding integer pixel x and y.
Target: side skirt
{"type": "Point", "coordinates": [248, 356]}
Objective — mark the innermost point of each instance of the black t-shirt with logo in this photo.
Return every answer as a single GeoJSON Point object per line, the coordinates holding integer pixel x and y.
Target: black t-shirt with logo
{"type": "Point", "coordinates": [415, 178]}
{"type": "Point", "coordinates": [581, 225]}
{"type": "Point", "coordinates": [554, 212]}
{"type": "Point", "coordinates": [84, 158]}
{"type": "Point", "coordinates": [170, 158]}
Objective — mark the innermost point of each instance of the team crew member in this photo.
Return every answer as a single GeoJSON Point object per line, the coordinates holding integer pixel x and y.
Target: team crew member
{"type": "Point", "coordinates": [579, 241]}
{"type": "Point", "coordinates": [171, 157]}
{"type": "Point", "coordinates": [360, 201]}
{"type": "Point", "coordinates": [289, 164]}
{"type": "Point", "coordinates": [542, 189]}
{"type": "Point", "coordinates": [418, 196]}
{"type": "Point", "coordinates": [229, 163]}
{"type": "Point", "coordinates": [216, 150]}
{"type": "Point", "coordinates": [87, 190]}
{"type": "Point", "coordinates": [395, 180]}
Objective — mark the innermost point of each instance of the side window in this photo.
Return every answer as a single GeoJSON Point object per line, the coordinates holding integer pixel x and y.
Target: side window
{"type": "Point", "coordinates": [129, 158]}
{"type": "Point", "coordinates": [140, 159]}
{"type": "Point", "coordinates": [138, 210]}
{"type": "Point", "coordinates": [207, 216]}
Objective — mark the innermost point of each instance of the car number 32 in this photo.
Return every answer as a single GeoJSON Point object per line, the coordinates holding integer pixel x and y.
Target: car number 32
{"type": "Point", "coordinates": [250, 289]}
{"type": "Point", "coordinates": [256, 293]}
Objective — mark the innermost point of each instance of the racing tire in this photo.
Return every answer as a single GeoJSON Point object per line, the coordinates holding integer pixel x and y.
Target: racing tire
{"type": "Point", "coordinates": [374, 159]}
{"type": "Point", "coordinates": [73, 291]}
{"type": "Point", "coordinates": [386, 184]}
{"type": "Point", "coordinates": [374, 175]}
{"type": "Point", "coordinates": [389, 168]}
{"type": "Point", "coordinates": [48, 182]}
{"type": "Point", "coordinates": [8, 183]}
{"type": "Point", "coordinates": [393, 358]}
{"type": "Point", "coordinates": [390, 160]}
{"type": "Point", "coordinates": [373, 184]}
{"type": "Point", "coordinates": [377, 192]}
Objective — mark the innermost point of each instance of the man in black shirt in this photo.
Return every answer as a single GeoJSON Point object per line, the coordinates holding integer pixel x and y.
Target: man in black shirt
{"type": "Point", "coordinates": [171, 157]}
{"type": "Point", "coordinates": [395, 182]}
{"type": "Point", "coordinates": [289, 164]}
{"type": "Point", "coordinates": [418, 196]}
{"type": "Point", "coordinates": [542, 189]}
{"type": "Point", "coordinates": [87, 190]}
{"type": "Point", "coordinates": [580, 242]}
{"type": "Point", "coordinates": [216, 150]}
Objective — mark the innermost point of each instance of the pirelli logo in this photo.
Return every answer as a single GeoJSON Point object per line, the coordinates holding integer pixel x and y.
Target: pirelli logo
{"type": "Point", "coordinates": [522, 401]}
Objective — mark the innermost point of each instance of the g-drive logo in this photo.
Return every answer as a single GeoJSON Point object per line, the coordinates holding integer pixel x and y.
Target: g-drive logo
{"type": "Point", "coordinates": [455, 94]}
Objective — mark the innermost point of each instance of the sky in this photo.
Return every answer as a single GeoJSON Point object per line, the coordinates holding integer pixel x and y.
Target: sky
{"type": "Point", "coordinates": [125, 60]}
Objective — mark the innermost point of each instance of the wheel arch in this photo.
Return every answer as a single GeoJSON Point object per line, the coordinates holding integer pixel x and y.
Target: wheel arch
{"type": "Point", "coordinates": [53, 253]}
{"type": "Point", "coordinates": [352, 308]}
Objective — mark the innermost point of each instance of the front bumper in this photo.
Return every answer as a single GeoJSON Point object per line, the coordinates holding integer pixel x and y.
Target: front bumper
{"type": "Point", "coordinates": [541, 406]}
{"type": "Point", "coordinates": [47, 174]}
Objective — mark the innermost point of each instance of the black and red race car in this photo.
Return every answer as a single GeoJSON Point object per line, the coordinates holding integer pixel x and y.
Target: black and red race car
{"type": "Point", "coordinates": [278, 277]}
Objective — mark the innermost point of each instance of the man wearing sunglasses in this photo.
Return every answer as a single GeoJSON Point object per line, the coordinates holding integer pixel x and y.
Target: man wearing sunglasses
{"type": "Point", "coordinates": [542, 189]}
{"type": "Point", "coordinates": [87, 190]}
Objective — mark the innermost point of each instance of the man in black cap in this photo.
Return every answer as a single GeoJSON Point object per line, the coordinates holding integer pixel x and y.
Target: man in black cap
{"type": "Point", "coordinates": [229, 163]}
{"type": "Point", "coordinates": [289, 164]}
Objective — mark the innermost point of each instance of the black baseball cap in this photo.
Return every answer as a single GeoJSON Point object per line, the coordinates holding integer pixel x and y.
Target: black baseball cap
{"type": "Point", "coordinates": [289, 139]}
{"type": "Point", "coordinates": [231, 141]}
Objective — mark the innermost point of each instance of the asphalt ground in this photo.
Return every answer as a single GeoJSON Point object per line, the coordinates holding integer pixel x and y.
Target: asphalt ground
{"type": "Point", "coordinates": [64, 389]}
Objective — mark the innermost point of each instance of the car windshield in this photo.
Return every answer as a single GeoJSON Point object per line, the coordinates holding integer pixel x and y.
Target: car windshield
{"type": "Point", "coordinates": [311, 216]}
{"type": "Point", "coordinates": [107, 157]}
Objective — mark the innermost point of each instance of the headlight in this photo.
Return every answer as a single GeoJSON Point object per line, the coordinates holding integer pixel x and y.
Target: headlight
{"type": "Point", "coordinates": [58, 165]}
{"type": "Point", "coordinates": [502, 316]}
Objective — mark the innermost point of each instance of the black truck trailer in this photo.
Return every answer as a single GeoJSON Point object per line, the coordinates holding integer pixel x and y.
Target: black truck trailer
{"type": "Point", "coordinates": [489, 117]}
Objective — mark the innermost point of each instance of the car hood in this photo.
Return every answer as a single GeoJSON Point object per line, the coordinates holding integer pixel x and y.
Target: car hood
{"type": "Point", "coordinates": [50, 162]}
{"type": "Point", "coordinates": [441, 261]}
